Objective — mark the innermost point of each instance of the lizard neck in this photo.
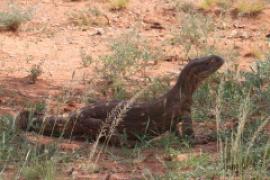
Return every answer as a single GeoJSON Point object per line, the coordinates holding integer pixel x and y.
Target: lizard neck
{"type": "Point", "coordinates": [184, 88]}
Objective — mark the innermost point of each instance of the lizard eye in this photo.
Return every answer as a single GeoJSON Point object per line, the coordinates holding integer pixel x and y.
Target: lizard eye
{"type": "Point", "coordinates": [209, 63]}
{"type": "Point", "coordinates": [212, 61]}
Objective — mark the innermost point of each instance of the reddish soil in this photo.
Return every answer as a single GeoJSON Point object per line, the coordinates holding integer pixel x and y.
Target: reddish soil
{"type": "Point", "coordinates": [50, 38]}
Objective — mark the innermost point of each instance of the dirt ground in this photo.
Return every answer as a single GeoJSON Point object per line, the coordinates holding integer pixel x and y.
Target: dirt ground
{"type": "Point", "coordinates": [49, 38]}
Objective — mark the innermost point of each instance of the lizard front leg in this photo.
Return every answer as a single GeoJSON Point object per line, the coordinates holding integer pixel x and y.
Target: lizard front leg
{"type": "Point", "coordinates": [187, 129]}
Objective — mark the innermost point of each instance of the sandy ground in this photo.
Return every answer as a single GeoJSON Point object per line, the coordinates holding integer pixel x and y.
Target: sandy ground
{"type": "Point", "coordinates": [50, 38]}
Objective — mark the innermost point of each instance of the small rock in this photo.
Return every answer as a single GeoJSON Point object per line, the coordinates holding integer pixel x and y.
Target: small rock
{"type": "Point", "coordinates": [97, 31]}
{"type": "Point", "coordinates": [217, 11]}
{"type": "Point", "coordinates": [240, 26]}
{"type": "Point", "coordinates": [239, 34]}
{"type": "Point", "coordinates": [156, 25]}
{"type": "Point", "coordinates": [233, 34]}
{"type": "Point", "coordinates": [245, 35]}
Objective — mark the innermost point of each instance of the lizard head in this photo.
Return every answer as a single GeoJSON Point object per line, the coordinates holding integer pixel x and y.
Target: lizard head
{"type": "Point", "coordinates": [196, 71]}
{"type": "Point", "coordinates": [203, 67]}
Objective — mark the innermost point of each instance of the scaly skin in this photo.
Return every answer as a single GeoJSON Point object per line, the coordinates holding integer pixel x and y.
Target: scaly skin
{"type": "Point", "coordinates": [158, 116]}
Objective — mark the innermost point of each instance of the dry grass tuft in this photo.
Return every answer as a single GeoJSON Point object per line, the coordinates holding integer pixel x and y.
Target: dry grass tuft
{"type": "Point", "coordinates": [11, 19]}
{"type": "Point", "coordinates": [88, 17]}
{"type": "Point", "coordinates": [108, 128]}
{"type": "Point", "coordinates": [34, 73]}
{"type": "Point", "coordinates": [210, 4]}
{"type": "Point", "coordinates": [248, 7]}
{"type": "Point", "coordinates": [118, 4]}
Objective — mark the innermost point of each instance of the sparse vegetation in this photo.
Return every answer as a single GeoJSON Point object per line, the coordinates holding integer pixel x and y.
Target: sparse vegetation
{"type": "Point", "coordinates": [210, 4]}
{"type": "Point", "coordinates": [239, 7]}
{"type": "Point", "coordinates": [157, 87]}
{"type": "Point", "coordinates": [230, 110]}
{"type": "Point", "coordinates": [40, 170]}
{"type": "Point", "coordinates": [128, 58]}
{"type": "Point", "coordinates": [88, 17]}
{"type": "Point", "coordinates": [249, 7]}
{"type": "Point", "coordinates": [186, 6]}
{"type": "Point", "coordinates": [14, 17]}
{"type": "Point", "coordinates": [118, 4]}
{"type": "Point", "coordinates": [194, 34]}
{"type": "Point", "coordinates": [244, 150]}
{"type": "Point", "coordinates": [86, 58]}
{"type": "Point", "coordinates": [250, 95]}
{"type": "Point", "coordinates": [35, 72]}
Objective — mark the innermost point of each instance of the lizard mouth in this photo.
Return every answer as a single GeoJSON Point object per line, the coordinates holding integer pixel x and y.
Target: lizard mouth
{"type": "Point", "coordinates": [208, 65]}
{"type": "Point", "coordinates": [216, 61]}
